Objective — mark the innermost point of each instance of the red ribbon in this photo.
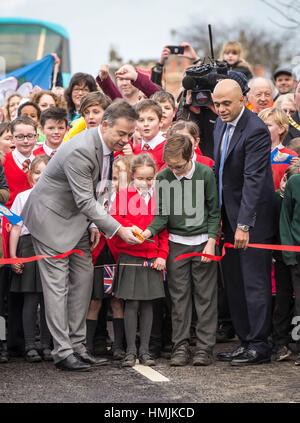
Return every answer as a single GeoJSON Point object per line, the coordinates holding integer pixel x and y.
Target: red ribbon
{"type": "Point", "coordinates": [34, 258]}
{"type": "Point", "coordinates": [293, 248]}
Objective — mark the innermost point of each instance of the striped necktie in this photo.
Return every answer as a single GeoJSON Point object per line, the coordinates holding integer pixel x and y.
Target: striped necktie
{"type": "Point", "coordinates": [146, 147]}
{"type": "Point", "coordinates": [223, 155]}
{"type": "Point", "coordinates": [26, 165]}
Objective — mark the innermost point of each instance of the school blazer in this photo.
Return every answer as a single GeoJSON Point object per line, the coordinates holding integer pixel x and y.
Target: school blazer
{"type": "Point", "coordinates": [63, 202]}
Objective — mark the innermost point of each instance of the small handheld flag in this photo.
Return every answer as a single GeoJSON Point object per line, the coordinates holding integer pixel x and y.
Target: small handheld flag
{"type": "Point", "coordinates": [280, 158]}
{"type": "Point", "coordinates": [12, 217]}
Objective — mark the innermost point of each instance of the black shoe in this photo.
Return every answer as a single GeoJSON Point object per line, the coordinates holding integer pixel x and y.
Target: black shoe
{"type": "Point", "coordinates": [89, 359]}
{"type": "Point", "coordinates": [229, 356]}
{"type": "Point", "coordinates": [250, 357]}
{"type": "Point", "coordinates": [146, 359]}
{"type": "Point", "coordinates": [224, 334]}
{"type": "Point", "coordinates": [72, 363]}
{"type": "Point", "coordinates": [4, 358]}
{"type": "Point", "coordinates": [118, 354]}
{"type": "Point", "coordinates": [129, 360]}
{"type": "Point", "coordinates": [46, 354]}
{"type": "Point", "coordinates": [32, 356]}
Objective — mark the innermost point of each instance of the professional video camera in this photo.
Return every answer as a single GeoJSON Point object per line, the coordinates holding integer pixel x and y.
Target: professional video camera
{"type": "Point", "coordinates": [202, 79]}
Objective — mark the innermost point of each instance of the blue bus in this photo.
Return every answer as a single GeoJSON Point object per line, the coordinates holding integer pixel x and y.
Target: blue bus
{"type": "Point", "coordinates": [22, 41]}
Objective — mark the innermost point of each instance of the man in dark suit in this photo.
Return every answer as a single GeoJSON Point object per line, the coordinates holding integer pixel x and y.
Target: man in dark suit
{"type": "Point", "coordinates": [294, 119]}
{"type": "Point", "coordinates": [242, 148]}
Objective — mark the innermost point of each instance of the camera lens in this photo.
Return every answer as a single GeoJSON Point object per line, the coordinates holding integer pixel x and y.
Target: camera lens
{"type": "Point", "coordinates": [202, 98]}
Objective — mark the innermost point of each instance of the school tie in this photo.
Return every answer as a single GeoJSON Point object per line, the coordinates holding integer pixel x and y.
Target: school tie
{"type": "Point", "coordinates": [52, 153]}
{"type": "Point", "coordinates": [26, 165]}
{"type": "Point", "coordinates": [111, 160]}
{"type": "Point", "coordinates": [146, 147]}
{"type": "Point", "coordinates": [223, 155]}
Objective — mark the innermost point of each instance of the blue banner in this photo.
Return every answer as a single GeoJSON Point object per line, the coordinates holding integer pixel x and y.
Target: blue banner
{"type": "Point", "coordinates": [23, 80]}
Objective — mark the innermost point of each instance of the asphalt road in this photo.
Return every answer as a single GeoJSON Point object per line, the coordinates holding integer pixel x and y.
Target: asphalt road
{"type": "Point", "coordinates": [22, 382]}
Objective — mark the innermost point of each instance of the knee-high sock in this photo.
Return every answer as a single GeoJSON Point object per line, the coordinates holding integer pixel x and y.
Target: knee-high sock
{"type": "Point", "coordinates": [91, 326]}
{"type": "Point", "coordinates": [130, 323]}
{"type": "Point", "coordinates": [146, 317]}
{"type": "Point", "coordinates": [118, 325]}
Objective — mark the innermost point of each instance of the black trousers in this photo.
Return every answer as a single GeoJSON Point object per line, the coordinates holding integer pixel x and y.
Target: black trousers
{"type": "Point", "coordinates": [283, 310]}
{"type": "Point", "coordinates": [247, 276]}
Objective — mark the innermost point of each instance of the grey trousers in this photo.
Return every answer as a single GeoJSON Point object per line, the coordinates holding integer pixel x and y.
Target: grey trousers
{"type": "Point", "coordinates": [187, 279]}
{"type": "Point", "coordinates": [67, 287]}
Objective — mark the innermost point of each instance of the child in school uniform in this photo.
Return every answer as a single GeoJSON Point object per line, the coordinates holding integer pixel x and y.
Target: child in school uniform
{"type": "Point", "coordinates": [290, 235]}
{"type": "Point", "coordinates": [138, 278]}
{"type": "Point", "coordinates": [191, 129]}
{"type": "Point", "coordinates": [188, 208]}
{"type": "Point", "coordinates": [26, 277]}
{"type": "Point", "coordinates": [54, 122]}
{"type": "Point", "coordinates": [167, 103]}
{"type": "Point", "coordinates": [149, 125]}
{"type": "Point", "coordinates": [281, 157]}
{"type": "Point", "coordinates": [106, 254]}
{"type": "Point", "coordinates": [283, 282]}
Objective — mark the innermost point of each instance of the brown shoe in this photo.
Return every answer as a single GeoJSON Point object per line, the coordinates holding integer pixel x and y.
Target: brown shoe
{"type": "Point", "coordinates": [202, 358]}
{"type": "Point", "coordinates": [180, 356]}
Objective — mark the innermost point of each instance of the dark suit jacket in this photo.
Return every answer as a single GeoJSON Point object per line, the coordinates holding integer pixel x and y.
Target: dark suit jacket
{"type": "Point", "coordinates": [248, 189]}
{"type": "Point", "coordinates": [293, 132]}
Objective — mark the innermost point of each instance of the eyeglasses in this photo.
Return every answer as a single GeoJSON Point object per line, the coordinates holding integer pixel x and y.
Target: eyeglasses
{"type": "Point", "coordinates": [83, 90]}
{"type": "Point", "coordinates": [21, 137]}
{"type": "Point", "coordinates": [178, 168]}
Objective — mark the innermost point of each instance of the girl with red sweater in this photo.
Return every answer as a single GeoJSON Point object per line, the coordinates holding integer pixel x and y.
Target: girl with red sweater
{"type": "Point", "coordinates": [139, 279]}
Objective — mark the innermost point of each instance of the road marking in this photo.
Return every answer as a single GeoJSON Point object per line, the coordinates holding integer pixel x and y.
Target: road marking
{"type": "Point", "coordinates": [150, 373]}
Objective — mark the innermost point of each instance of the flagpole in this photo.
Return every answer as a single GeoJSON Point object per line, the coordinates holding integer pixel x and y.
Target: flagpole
{"type": "Point", "coordinates": [41, 46]}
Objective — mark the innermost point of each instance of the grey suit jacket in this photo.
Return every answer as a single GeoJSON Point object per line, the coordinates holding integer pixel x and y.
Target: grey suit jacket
{"type": "Point", "coordinates": [63, 202]}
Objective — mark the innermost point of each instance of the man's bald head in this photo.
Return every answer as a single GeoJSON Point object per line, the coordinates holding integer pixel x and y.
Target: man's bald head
{"type": "Point", "coordinates": [261, 93]}
{"type": "Point", "coordinates": [228, 99]}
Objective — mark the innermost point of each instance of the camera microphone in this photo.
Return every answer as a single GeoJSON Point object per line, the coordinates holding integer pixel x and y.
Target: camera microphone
{"type": "Point", "coordinates": [188, 83]}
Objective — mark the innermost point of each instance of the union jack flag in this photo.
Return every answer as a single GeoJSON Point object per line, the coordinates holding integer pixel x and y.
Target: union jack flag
{"type": "Point", "coordinates": [108, 277]}
{"type": "Point", "coordinates": [147, 263]}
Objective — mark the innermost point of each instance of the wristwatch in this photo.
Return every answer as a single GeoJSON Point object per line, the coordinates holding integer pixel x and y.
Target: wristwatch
{"type": "Point", "coordinates": [244, 228]}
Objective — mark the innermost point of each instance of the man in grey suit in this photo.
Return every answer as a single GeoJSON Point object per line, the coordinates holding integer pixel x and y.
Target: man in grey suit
{"type": "Point", "coordinates": [58, 214]}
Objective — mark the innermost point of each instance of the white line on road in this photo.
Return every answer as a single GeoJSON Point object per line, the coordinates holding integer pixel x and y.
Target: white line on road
{"type": "Point", "coordinates": [150, 373]}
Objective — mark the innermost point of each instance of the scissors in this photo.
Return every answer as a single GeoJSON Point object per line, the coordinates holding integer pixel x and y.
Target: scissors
{"type": "Point", "coordinates": [141, 238]}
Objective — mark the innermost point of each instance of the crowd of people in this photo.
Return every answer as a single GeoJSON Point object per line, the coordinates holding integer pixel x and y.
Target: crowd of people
{"type": "Point", "coordinates": [149, 188]}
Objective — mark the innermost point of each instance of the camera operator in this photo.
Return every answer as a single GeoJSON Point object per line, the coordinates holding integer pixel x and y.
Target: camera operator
{"type": "Point", "coordinates": [195, 100]}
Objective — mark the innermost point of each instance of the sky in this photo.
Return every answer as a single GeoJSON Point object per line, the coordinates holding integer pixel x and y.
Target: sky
{"type": "Point", "coordinates": [138, 29]}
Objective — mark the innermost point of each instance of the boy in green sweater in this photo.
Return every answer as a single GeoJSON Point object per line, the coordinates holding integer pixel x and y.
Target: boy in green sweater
{"type": "Point", "coordinates": [290, 235]}
{"type": "Point", "coordinates": [188, 208]}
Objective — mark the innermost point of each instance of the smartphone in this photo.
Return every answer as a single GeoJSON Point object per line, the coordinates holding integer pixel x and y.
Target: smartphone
{"type": "Point", "coordinates": [176, 49]}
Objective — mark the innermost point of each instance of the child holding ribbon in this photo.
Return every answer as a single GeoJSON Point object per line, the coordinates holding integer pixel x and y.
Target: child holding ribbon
{"type": "Point", "coordinates": [26, 277]}
{"type": "Point", "coordinates": [138, 278]}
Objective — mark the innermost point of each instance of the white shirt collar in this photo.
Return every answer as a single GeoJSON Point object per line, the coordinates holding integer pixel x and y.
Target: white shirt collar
{"type": "Point", "coordinates": [235, 121]}
{"type": "Point", "coordinates": [155, 141]}
{"type": "Point", "coordinates": [189, 175]}
{"type": "Point", "coordinates": [106, 150]}
{"type": "Point", "coordinates": [48, 150]}
{"type": "Point", "coordinates": [20, 158]}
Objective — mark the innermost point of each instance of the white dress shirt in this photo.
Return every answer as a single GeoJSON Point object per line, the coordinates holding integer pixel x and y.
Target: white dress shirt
{"type": "Point", "coordinates": [159, 138]}
{"type": "Point", "coordinates": [19, 158]}
{"type": "Point", "coordinates": [231, 131]}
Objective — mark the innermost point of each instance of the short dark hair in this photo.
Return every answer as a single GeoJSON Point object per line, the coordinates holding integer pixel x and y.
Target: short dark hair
{"type": "Point", "coordinates": [178, 144]}
{"type": "Point", "coordinates": [77, 79]}
{"type": "Point", "coordinates": [5, 126]}
{"type": "Point", "coordinates": [25, 120]}
{"type": "Point", "coordinates": [55, 113]}
{"type": "Point", "coordinates": [149, 104]}
{"type": "Point", "coordinates": [29, 103]}
{"type": "Point", "coordinates": [294, 144]}
{"type": "Point", "coordinates": [119, 109]}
